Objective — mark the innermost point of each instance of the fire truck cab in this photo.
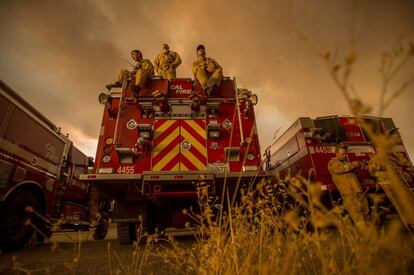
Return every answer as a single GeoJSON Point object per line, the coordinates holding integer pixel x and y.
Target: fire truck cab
{"type": "Point", "coordinates": [39, 171]}
{"type": "Point", "coordinates": [306, 147]}
{"type": "Point", "coordinates": [155, 150]}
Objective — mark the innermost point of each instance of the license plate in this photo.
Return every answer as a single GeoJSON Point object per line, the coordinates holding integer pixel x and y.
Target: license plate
{"type": "Point", "coordinates": [218, 167]}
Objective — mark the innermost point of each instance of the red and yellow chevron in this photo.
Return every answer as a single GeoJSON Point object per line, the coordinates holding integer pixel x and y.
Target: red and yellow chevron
{"type": "Point", "coordinates": [179, 145]}
{"type": "Point", "coordinates": [166, 146]}
{"type": "Point", "coordinates": [194, 157]}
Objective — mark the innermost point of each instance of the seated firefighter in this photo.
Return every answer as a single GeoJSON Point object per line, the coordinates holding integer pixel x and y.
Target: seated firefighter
{"type": "Point", "coordinates": [167, 62]}
{"type": "Point", "coordinates": [142, 71]}
{"type": "Point", "coordinates": [345, 179]}
{"type": "Point", "coordinates": [207, 71]}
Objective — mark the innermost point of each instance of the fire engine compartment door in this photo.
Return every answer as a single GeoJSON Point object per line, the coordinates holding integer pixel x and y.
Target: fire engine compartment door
{"type": "Point", "coordinates": [193, 148]}
{"type": "Point", "coordinates": [179, 145]}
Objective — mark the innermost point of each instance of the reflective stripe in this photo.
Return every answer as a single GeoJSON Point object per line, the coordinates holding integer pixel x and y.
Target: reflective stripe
{"type": "Point", "coordinates": [163, 127]}
{"type": "Point", "coordinates": [183, 167]}
{"type": "Point", "coordinates": [196, 127]}
{"type": "Point", "coordinates": [23, 154]}
{"type": "Point", "coordinates": [165, 154]}
{"type": "Point", "coordinates": [195, 161]}
{"type": "Point", "coordinates": [196, 156]}
{"type": "Point", "coordinates": [194, 142]}
{"type": "Point", "coordinates": [165, 142]}
{"type": "Point", "coordinates": [169, 155]}
{"type": "Point", "coordinates": [165, 160]}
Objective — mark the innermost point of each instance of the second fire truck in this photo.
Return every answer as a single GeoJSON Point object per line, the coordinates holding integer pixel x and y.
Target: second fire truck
{"type": "Point", "coordinates": [306, 147]}
{"type": "Point", "coordinates": [39, 176]}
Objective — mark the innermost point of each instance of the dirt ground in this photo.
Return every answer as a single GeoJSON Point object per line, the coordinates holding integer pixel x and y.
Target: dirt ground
{"type": "Point", "coordinates": [60, 256]}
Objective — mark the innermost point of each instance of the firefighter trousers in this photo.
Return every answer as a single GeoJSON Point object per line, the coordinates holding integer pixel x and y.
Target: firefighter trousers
{"type": "Point", "coordinates": [357, 206]}
{"type": "Point", "coordinates": [168, 73]}
{"type": "Point", "coordinates": [140, 76]}
{"type": "Point", "coordinates": [205, 78]}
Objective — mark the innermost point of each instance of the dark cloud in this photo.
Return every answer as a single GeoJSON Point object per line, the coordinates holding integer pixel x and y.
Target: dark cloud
{"type": "Point", "coordinates": [60, 54]}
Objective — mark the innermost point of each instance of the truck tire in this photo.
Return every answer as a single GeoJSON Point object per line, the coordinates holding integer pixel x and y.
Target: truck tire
{"type": "Point", "coordinates": [15, 232]}
{"type": "Point", "coordinates": [102, 229]}
{"type": "Point", "coordinates": [126, 232]}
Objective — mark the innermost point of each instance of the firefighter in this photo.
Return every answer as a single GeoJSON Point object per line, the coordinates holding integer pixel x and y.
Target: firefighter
{"type": "Point", "coordinates": [167, 62]}
{"type": "Point", "coordinates": [142, 71]}
{"type": "Point", "coordinates": [347, 182]}
{"type": "Point", "coordinates": [207, 71]}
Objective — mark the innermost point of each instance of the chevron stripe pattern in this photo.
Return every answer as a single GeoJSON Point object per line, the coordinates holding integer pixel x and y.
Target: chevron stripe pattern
{"type": "Point", "coordinates": [166, 146]}
{"type": "Point", "coordinates": [179, 145]}
{"type": "Point", "coordinates": [195, 157]}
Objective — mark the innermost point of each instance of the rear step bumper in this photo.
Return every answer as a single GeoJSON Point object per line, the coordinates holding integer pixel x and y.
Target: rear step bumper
{"type": "Point", "coordinates": [152, 184]}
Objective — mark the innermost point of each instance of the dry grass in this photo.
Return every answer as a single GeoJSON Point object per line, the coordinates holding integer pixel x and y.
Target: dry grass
{"type": "Point", "coordinates": [262, 235]}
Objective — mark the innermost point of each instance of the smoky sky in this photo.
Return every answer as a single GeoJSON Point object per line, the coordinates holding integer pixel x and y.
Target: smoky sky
{"type": "Point", "coordinates": [59, 55]}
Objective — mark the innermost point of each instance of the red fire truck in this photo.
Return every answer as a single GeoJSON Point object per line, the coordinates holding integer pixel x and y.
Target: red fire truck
{"type": "Point", "coordinates": [155, 149]}
{"type": "Point", "coordinates": [306, 147]}
{"type": "Point", "coordinates": [39, 170]}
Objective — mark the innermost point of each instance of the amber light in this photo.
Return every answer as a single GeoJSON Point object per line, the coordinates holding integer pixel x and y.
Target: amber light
{"type": "Point", "coordinates": [109, 141]}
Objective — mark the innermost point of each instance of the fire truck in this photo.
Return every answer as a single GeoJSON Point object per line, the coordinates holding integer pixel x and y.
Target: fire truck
{"type": "Point", "coordinates": [306, 147]}
{"type": "Point", "coordinates": [156, 149]}
{"type": "Point", "coordinates": [39, 175]}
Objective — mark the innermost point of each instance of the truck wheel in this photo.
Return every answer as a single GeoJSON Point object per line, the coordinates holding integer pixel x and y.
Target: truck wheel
{"type": "Point", "coordinates": [126, 232]}
{"type": "Point", "coordinates": [102, 229]}
{"type": "Point", "coordinates": [15, 231]}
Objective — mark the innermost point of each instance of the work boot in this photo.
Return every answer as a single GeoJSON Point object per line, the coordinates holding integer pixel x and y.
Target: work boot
{"type": "Point", "coordinates": [114, 85]}
{"type": "Point", "coordinates": [135, 89]}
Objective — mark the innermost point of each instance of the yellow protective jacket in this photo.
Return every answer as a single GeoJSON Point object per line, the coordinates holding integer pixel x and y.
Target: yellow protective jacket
{"type": "Point", "coordinates": [165, 61]}
{"type": "Point", "coordinates": [144, 65]}
{"type": "Point", "coordinates": [209, 65]}
{"type": "Point", "coordinates": [343, 176]}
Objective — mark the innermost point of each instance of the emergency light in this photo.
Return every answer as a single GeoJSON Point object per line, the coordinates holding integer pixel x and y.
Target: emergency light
{"type": "Point", "coordinates": [254, 99]}
{"type": "Point", "coordinates": [104, 98]}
